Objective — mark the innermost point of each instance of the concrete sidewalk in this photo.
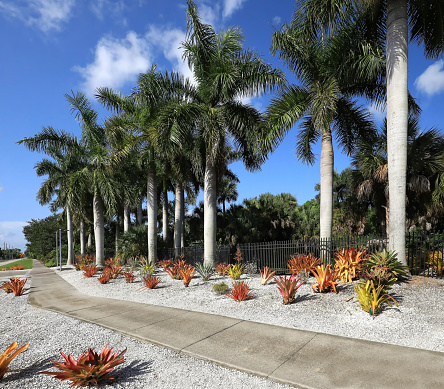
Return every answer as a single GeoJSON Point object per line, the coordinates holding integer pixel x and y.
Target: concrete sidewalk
{"type": "Point", "coordinates": [299, 358]}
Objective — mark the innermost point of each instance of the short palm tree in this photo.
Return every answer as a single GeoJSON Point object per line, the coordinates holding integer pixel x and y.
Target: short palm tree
{"type": "Point", "coordinates": [425, 163]}
{"type": "Point", "coordinates": [224, 73]}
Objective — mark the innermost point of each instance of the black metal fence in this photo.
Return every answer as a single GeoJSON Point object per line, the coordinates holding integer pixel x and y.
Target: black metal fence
{"type": "Point", "coordinates": [425, 251]}
{"type": "Point", "coordinates": [276, 254]}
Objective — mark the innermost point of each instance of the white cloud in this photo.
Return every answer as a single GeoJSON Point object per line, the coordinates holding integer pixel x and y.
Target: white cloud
{"type": "Point", "coordinates": [431, 81]}
{"type": "Point", "coordinates": [99, 7]}
{"type": "Point", "coordinates": [169, 41]}
{"type": "Point", "coordinates": [276, 22]}
{"type": "Point", "coordinates": [209, 14]}
{"type": "Point", "coordinates": [230, 6]}
{"type": "Point", "coordinates": [11, 233]}
{"type": "Point", "coordinates": [116, 62]}
{"type": "Point", "coordinates": [377, 113]}
{"type": "Point", "coordinates": [45, 15]}
{"type": "Point", "coordinates": [1, 188]}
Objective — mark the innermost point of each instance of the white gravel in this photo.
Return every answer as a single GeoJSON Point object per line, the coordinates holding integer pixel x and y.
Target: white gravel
{"type": "Point", "coordinates": [417, 322]}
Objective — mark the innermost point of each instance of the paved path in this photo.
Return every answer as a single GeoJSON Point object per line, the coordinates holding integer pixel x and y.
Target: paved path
{"type": "Point", "coordinates": [300, 358]}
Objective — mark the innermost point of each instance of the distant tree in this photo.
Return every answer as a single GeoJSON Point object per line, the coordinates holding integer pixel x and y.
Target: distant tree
{"type": "Point", "coordinates": [40, 235]}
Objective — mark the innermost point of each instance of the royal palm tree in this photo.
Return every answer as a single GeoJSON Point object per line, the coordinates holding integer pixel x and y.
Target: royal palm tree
{"type": "Point", "coordinates": [224, 73]}
{"type": "Point", "coordinates": [390, 20]}
{"type": "Point", "coordinates": [148, 126]}
{"type": "Point", "coordinates": [98, 173]}
{"type": "Point", "coordinates": [66, 158]}
{"type": "Point", "coordinates": [324, 101]}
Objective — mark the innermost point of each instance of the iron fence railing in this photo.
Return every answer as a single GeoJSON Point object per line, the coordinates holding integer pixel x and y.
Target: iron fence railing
{"type": "Point", "coordinates": [424, 251]}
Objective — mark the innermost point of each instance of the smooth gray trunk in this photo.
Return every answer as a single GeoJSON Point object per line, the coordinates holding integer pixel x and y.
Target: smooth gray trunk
{"type": "Point", "coordinates": [139, 213]}
{"type": "Point", "coordinates": [210, 212]}
{"type": "Point", "coordinates": [178, 206]}
{"type": "Point", "coordinates": [82, 238]}
{"type": "Point", "coordinates": [126, 218]}
{"type": "Point", "coordinates": [182, 219]}
{"type": "Point", "coordinates": [151, 200]}
{"type": "Point", "coordinates": [397, 122]}
{"type": "Point", "coordinates": [165, 216]}
{"type": "Point", "coordinates": [99, 230]}
{"type": "Point", "coordinates": [69, 228]}
{"type": "Point", "coordinates": [326, 193]}
{"type": "Point", "coordinates": [89, 243]}
{"type": "Point", "coordinates": [117, 236]}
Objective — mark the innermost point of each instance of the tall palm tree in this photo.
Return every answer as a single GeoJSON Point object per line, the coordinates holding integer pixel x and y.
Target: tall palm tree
{"type": "Point", "coordinates": [324, 101]}
{"type": "Point", "coordinates": [97, 174]}
{"type": "Point", "coordinates": [67, 158]}
{"type": "Point", "coordinates": [150, 128]}
{"type": "Point", "coordinates": [391, 20]}
{"type": "Point", "coordinates": [224, 72]}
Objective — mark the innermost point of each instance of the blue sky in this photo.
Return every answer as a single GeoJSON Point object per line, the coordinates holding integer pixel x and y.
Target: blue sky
{"type": "Point", "coordinates": [50, 47]}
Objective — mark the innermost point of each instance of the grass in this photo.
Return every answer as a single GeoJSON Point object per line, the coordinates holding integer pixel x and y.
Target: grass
{"type": "Point", "coordinates": [27, 263]}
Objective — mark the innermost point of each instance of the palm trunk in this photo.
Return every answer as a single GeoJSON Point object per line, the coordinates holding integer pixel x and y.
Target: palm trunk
{"type": "Point", "coordinates": [99, 230]}
{"type": "Point", "coordinates": [139, 214]}
{"type": "Point", "coordinates": [182, 219]}
{"type": "Point", "coordinates": [326, 193]}
{"type": "Point", "coordinates": [117, 236]}
{"type": "Point", "coordinates": [178, 205]}
{"type": "Point", "coordinates": [69, 231]}
{"type": "Point", "coordinates": [210, 212]}
{"type": "Point", "coordinates": [82, 238]}
{"type": "Point", "coordinates": [126, 218]}
{"type": "Point", "coordinates": [151, 199]}
{"type": "Point", "coordinates": [397, 121]}
{"type": "Point", "coordinates": [165, 215]}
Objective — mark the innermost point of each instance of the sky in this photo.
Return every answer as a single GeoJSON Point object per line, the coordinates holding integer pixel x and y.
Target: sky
{"type": "Point", "coordinates": [52, 47]}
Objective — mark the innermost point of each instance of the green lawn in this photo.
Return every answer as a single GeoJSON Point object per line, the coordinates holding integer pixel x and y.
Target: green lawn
{"type": "Point", "coordinates": [27, 263]}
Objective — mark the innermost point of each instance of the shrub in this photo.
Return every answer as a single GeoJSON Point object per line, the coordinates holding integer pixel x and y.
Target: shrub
{"type": "Point", "coordinates": [5, 360]}
{"type": "Point", "coordinates": [240, 291]}
{"type": "Point", "coordinates": [221, 288]}
{"type": "Point", "coordinates": [151, 281]}
{"type": "Point", "coordinates": [326, 279]}
{"type": "Point", "coordinates": [166, 263]}
{"type": "Point", "coordinates": [104, 278]}
{"type": "Point", "coordinates": [89, 270]}
{"type": "Point", "coordinates": [288, 286]}
{"type": "Point", "coordinates": [113, 271]}
{"type": "Point", "coordinates": [303, 263]}
{"type": "Point", "coordinates": [129, 276]}
{"type": "Point", "coordinates": [384, 269]}
{"type": "Point", "coordinates": [371, 297]}
{"type": "Point", "coordinates": [6, 286]}
{"type": "Point", "coordinates": [266, 275]}
{"type": "Point", "coordinates": [187, 273]}
{"type": "Point", "coordinates": [89, 369]}
{"type": "Point", "coordinates": [14, 285]}
{"type": "Point", "coordinates": [222, 268]}
{"type": "Point", "coordinates": [17, 268]}
{"type": "Point", "coordinates": [205, 271]}
{"type": "Point", "coordinates": [235, 271]}
{"type": "Point", "coordinates": [147, 267]}
{"type": "Point", "coordinates": [349, 263]}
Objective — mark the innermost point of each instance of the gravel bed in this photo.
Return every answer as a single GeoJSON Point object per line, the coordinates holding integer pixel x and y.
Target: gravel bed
{"type": "Point", "coordinates": [417, 322]}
